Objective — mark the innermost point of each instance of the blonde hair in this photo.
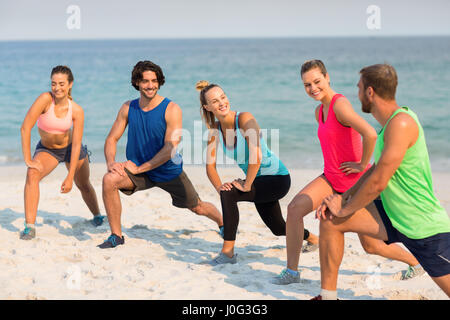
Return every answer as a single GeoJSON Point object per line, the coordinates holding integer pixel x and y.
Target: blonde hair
{"type": "Point", "coordinates": [208, 117]}
{"type": "Point", "coordinates": [200, 85]}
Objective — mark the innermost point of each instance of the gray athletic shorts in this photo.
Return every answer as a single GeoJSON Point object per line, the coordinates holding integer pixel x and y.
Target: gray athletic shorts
{"type": "Point", "coordinates": [180, 188]}
{"type": "Point", "coordinates": [63, 154]}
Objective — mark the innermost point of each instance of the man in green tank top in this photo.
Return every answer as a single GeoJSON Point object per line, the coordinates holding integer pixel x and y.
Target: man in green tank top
{"type": "Point", "coordinates": [408, 210]}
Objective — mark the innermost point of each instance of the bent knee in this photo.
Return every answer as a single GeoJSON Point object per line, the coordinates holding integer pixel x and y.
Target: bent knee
{"type": "Point", "coordinates": [110, 180]}
{"type": "Point", "coordinates": [228, 194]}
{"type": "Point", "coordinates": [370, 248]}
{"type": "Point", "coordinates": [279, 232]}
{"type": "Point", "coordinates": [327, 225]}
{"type": "Point", "coordinates": [33, 175]}
{"type": "Point", "coordinates": [198, 209]}
{"type": "Point", "coordinates": [296, 210]}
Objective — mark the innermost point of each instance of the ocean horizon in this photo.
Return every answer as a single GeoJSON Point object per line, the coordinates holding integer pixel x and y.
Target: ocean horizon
{"type": "Point", "coordinates": [259, 75]}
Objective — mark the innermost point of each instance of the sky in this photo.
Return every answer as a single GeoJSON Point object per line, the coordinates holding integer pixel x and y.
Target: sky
{"type": "Point", "coordinates": [101, 19]}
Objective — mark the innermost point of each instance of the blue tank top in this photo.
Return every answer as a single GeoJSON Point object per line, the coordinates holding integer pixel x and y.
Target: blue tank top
{"type": "Point", "coordinates": [270, 163]}
{"type": "Point", "coordinates": [146, 132]}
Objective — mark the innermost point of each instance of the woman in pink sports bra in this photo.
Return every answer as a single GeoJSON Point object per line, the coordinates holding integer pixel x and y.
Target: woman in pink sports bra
{"type": "Point", "coordinates": [56, 114]}
{"type": "Point", "coordinates": [346, 158]}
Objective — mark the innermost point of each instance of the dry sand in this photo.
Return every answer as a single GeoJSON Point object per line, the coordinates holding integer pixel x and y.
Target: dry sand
{"type": "Point", "coordinates": [167, 249]}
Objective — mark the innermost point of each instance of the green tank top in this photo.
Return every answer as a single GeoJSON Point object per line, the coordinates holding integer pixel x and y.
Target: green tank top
{"type": "Point", "coordinates": [408, 199]}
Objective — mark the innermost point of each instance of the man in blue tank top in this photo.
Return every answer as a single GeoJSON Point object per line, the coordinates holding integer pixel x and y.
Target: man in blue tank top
{"type": "Point", "coordinates": [154, 131]}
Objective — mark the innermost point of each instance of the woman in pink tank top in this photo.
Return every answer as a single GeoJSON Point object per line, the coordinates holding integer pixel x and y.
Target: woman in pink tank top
{"type": "Point", "coordinates": [56, 114]}
{"type": "Point", "coordinates": [346, 158]}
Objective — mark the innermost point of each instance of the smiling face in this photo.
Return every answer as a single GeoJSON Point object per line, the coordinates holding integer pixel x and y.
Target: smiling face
{"type": "Point", "coordinates": [60, 85]}
{"type": "Point", "coordinates": [149, 85]}
{"type": "Point", "coordinates": [316, 83]}
{"type": "Point", "coordinates": [217, 102]}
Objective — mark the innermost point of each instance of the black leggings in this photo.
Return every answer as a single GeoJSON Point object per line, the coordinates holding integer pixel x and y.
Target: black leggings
{"type": "Point", "coordinates": [265, 193]}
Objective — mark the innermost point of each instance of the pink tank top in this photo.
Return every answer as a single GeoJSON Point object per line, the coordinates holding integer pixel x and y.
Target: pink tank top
{"type": "Point", "coordinates": [50, 123]}
{"type": "Point", "coordinates": [339, 144]}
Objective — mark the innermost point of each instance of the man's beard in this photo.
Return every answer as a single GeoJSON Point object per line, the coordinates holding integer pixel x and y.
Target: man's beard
{"type": "Point", "coordinates": [366, 106]}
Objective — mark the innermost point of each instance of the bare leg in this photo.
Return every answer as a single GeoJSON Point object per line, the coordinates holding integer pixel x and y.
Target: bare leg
{"type": "Point", "coordinates": [443, 283]}
{"type": "Point", "coordinates": [84, 185]}
{"type": "Point", "coordinates": [313, 238]}
{"type": "Point", "coordinates": [331, 251]}
{"type": "Point", "coordinates": [391, 251]}
{"type": "Point", "coordinates": [307, 200]}
{"type": "Point", "coordinates": [365, 221]}
{"type": "Point", "coordinates": [31, 190]}
{"type": "Point", "coordinates": [208, 210]}
{"type": "Point", "coordinates": [112, 182]}
{"type": "Point", "coordinates": [228, 248]}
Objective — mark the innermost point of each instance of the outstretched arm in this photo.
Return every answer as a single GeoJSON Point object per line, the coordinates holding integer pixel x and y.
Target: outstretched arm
{"type": "Point", "coordinates": [77, 135]}
{"type": "Point", "coordinates": [36, 109]}
{"type": "Point", "coordinates": [113, 137]}
{"type": "Point", "coordinates": [211, 159]}
{"type": "Point", "coordinates": [252, 135]}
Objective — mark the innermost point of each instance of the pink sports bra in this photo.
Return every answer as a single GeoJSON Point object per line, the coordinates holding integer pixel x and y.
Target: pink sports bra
{"type": "Point", "coordinates": [50, 123]}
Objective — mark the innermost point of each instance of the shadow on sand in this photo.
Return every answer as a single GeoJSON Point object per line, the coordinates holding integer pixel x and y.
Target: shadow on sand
{"type": "Point", "coordinates": [183, 245]}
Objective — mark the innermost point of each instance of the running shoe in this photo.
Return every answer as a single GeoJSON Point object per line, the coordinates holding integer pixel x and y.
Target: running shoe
{"type": "Point", "coordinates": [28, 233]}
{"type": "Point", "coordinates": [309, 247]}
{"type": "Point", "coordinates": [319, 297]}
{"type": "Point", "coordinates": [286, 277]}
{"type": "Point", "coordinates": [410, 273]}
{"type": "Point", "coordinates": [98, 220]}
{"type": "Point", "coordinates": [112, 241]}
{"type": "Point", "coordinates": [223, 259]}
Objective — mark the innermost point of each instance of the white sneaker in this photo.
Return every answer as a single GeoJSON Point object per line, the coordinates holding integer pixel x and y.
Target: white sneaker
{"type": "Point", "coordinates": [285, 278]}
{"type": "Point", "coordinates": [309, 247]}
{"type": "Point", "coordinates": [409, 273]}
{"type": "Point", "coordinates": [222, 258]}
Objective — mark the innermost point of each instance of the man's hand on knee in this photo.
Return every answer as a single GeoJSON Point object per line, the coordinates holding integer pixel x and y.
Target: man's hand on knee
{"type": "Point", "coordinates": [117, 167]}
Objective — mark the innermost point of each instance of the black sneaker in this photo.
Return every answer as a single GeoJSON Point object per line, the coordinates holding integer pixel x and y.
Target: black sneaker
{"type": "Point", "coordinates": [97, 221]}
{"type": "Point", "coordinates": [112, 241]}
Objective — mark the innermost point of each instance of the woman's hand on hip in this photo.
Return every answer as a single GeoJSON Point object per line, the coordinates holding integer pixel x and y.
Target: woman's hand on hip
{"type": "Point", "coordinates": [351, 167]}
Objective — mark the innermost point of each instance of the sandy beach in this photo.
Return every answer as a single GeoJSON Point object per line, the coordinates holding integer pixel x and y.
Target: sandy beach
{"type": "Point", "coordinates": [167, 249]}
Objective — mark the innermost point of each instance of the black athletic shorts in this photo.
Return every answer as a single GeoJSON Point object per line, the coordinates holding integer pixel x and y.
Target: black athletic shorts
{"type": "Point", "coordinates": [433, 253]}
{"type": "Point", "coordinates": [180, 188]}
